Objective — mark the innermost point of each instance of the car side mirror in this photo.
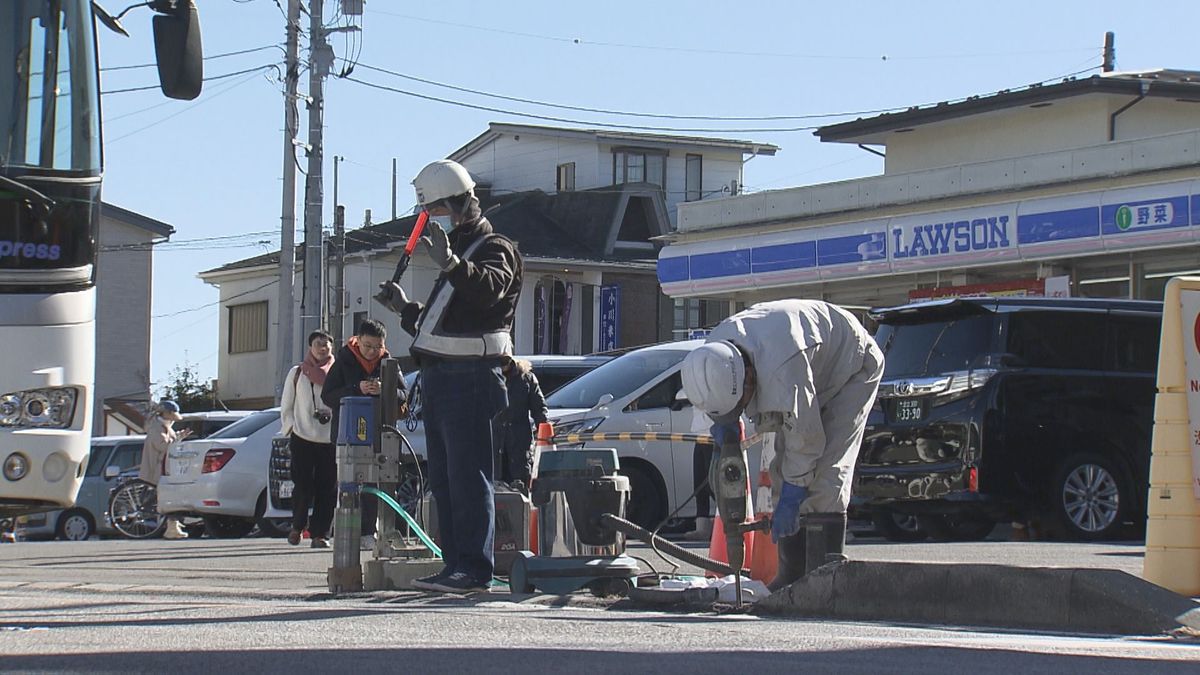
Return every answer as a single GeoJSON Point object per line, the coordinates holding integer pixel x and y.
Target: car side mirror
{"type": "Point", "coordinates": [681, 401]}
{"type": "Point", "coordinates": [111, 471]}
{"type": "Point", "coordinates": [604, 400]}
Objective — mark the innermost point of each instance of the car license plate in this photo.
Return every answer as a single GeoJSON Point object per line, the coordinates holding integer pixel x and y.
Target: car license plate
{"type": "Point", "coordinates": [285, 489]}
{"type": "Point", "coordinates": [181, 466]}
{"type": "Point", "coordinates": [908, 410]}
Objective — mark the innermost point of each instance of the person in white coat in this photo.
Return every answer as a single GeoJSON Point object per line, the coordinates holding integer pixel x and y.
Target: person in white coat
{"type": "Point", "coordinates": [160, 435]}
{"type": "Point", "coordinates": [808, 371]}
{"type": "Point", "coordinates": [306, 420]}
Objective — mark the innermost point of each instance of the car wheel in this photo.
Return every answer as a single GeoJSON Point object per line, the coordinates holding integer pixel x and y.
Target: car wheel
{"type": "Point", "coordinates": [228, 527]}
{"type": "Point", "coordinates": [75, 525]}
{"type": "Point", "coordinates": [1089, 498]}
{"type": "Point", "coordinates": [274, 527]}
{"type": "Point", "coordinates": [645, 507]}
{"type": "Point", "coordinates": [900, 527]}
{"type": "Point", "coordinates": [956, 526]}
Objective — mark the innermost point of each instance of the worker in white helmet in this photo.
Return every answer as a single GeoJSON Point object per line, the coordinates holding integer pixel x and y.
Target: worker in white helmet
{"type": "Point", "coordinates": [462, 335]}
{"type": "Point", "coordinates": [808, 371]}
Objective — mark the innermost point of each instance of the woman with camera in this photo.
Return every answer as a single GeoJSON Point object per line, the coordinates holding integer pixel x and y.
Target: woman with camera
{"type": "Point", "coordinates": [306, 419]}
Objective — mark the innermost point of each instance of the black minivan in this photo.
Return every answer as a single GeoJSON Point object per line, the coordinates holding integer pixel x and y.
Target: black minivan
{"type": "Point", "coordinates": [994, 409]}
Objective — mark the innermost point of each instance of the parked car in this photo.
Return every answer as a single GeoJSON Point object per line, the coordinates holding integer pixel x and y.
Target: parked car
{"type": "Point", "coordinates": [639, 392]}
{"type": "Point", "coordinates": [205, 424]}
{"type": "Point", "coordinates": [994, 409]}
{"type": "Point", "coordinates": [86, 518]}
{"type": "Point", "coordinates": [552, 370]}
{"type": "Point", "coordinates": [223, 479]}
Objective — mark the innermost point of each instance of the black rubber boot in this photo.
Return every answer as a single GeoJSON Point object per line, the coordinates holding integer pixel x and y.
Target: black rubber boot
{"type": "Point", "coordinates": [826, 538]}
{"type": "Point", "coordinates": [792, 566]}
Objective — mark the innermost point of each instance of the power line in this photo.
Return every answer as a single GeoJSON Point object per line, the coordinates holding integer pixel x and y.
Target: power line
{"type": "Point", "coordinates": [207, 79]}
{"type": "Point", "coordinates": [206, 58]}
{"type": "Point", "coordinates": [625, 113]}
{"type": "Point", "coordinates": [210, 304]}
{"type": "Point", "coordinates": [551, 118]}
{"type": "Point", "coordinates": [228, 89]}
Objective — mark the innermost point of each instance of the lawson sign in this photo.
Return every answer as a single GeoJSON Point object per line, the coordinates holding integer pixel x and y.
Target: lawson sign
{"type": "Point", "coordinates": [1091, 223]}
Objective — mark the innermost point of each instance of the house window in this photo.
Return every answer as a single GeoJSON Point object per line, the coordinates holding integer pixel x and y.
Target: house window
{"type": "Point", "coordinates": [639, 166]}
{"type": "Point", "coordinates": [359, 317]}
{"type": "Point", "coordinates": [692, 180]}
{"type": "Point", "coordinates": [248, 328]}
{"type": "Point", "coordinates": [566, 177]}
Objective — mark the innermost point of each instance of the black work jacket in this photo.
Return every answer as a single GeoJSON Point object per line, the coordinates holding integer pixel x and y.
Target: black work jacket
{"type": "Point", "coordinates": [486, 287]}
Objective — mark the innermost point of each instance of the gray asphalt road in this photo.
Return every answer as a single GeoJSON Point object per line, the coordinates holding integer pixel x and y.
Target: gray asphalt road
{"type": "Point", "coordinates": [271, 566]}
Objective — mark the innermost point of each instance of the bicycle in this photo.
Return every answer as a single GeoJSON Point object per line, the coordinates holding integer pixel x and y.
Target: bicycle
{"type": "Point", "coordinates": [133, 509]}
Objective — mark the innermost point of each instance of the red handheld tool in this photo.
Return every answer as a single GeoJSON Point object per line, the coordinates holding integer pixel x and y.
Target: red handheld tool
{"type": "Point", "coordinates": [411, 246]}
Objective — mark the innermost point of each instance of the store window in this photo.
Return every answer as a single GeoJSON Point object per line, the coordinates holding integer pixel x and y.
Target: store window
{"type": "Point", "coordinates": [697, 314]}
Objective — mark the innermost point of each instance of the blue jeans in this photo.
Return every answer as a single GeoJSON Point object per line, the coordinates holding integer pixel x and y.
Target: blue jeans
{"type": "Point", "coordinates": [463, 406]}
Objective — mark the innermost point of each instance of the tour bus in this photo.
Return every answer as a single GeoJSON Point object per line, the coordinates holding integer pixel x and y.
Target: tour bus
{"type": "Point", "coordinates": [50, 173]}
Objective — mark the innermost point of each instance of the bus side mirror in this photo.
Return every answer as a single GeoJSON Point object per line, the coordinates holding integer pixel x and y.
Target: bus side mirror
{"type": "Point", "coordinates": [177, 48]}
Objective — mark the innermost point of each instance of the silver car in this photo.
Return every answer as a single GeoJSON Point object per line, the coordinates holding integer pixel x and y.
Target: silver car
{"type": "Point", "coordinates": [111, 455]}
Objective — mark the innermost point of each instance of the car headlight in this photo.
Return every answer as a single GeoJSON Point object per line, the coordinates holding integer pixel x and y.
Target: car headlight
{"type": "Point", "coordinates": [584, 426]}
{"type": "Point", "coordinates": [51, 408]}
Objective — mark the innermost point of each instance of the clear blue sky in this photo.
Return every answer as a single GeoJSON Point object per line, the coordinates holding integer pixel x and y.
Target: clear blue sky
{"type": "Point", "coordinates": [212, 167]}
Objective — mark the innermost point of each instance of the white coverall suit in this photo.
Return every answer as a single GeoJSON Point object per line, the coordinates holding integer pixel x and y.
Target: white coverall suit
{"type": "Point", "coordinates": [817, 374]}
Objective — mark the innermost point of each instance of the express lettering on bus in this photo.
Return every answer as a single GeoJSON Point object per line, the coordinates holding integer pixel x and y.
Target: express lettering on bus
{"type": "Point", "coordinates": [18, 249]}
{"type": "Point", "coordinates": [961, 236]}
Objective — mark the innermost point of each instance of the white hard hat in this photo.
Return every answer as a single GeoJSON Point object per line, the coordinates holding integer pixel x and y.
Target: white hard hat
{"type": "Point", "coordinates": [441, 179]}
{"type": "Point", "coordinates": [714, 377]}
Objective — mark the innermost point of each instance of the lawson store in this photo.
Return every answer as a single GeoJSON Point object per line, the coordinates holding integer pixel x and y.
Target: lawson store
{"type": "Point", "coordinates": [1084, 188]}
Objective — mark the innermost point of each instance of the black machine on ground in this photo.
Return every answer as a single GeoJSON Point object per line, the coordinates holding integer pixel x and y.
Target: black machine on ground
{"type": "Point", "coordinates": [575, 548]}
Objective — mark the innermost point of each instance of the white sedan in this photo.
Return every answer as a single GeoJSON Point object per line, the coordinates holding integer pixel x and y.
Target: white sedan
{"type": "Point", "coordinates": [223, 479]}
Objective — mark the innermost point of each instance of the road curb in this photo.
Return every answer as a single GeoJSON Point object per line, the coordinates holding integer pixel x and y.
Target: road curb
{"type": "Point", "coordinates": [1058, 599]}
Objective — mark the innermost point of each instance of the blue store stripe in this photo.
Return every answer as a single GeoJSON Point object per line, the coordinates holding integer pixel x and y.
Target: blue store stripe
{"type": "Point", "coordinates": [720, 264]}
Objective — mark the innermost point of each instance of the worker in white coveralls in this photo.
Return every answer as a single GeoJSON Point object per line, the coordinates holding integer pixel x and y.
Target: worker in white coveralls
{"type": "Point", "coordinates": [808, 371]}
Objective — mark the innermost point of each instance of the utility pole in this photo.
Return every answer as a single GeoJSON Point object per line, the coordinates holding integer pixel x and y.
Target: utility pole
{"type": "Point", "coordinates": [287, 224]}
{"type": "Point", "coordinates": [320, 57]}
{"type": "Point", "coordinates": [339, 273]}
{"type": "Point", "coordinates": [338, 262]}
{"type": "Point", "coordinates": [1110, 52]}
{"type": "Point", "coordinates": [393, 188]}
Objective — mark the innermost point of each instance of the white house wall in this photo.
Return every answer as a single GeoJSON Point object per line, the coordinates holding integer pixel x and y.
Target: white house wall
{"type": "Point", "coordinates": [530, 162]}
{"type": "Point", "coordinates": [250, 375]}
{"type": "Point", "coordinates": [1068, 124]}
{"type": "Point", "coordinates": [122, 316]}
{"type": "Point", "coordinates": [516, 163]}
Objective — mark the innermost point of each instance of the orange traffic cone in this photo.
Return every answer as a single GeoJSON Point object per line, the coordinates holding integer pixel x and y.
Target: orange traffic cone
{"type": "Point", "coordinates": [544, 443]}
{"type": "Point", "coordinates": [763, 557]}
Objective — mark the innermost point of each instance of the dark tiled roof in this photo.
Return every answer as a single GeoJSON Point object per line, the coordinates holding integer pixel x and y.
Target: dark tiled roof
{"type": "Point", "coordinates": [136, 219]}
{"type": "Point", "coordinates": [567, 225]}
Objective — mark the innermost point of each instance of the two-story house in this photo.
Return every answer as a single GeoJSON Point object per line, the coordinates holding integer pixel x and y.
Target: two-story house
{"type": "Point", "coordinates": [587, 218]}
{"type": "Point", "coordinates": [124, 268]}
{"type": "Point", "coordinates": [1085, 187]}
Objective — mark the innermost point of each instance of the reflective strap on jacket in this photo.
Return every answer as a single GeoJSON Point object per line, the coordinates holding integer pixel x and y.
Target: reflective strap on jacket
{"type": "Point", "coordinates": [435, 341]}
